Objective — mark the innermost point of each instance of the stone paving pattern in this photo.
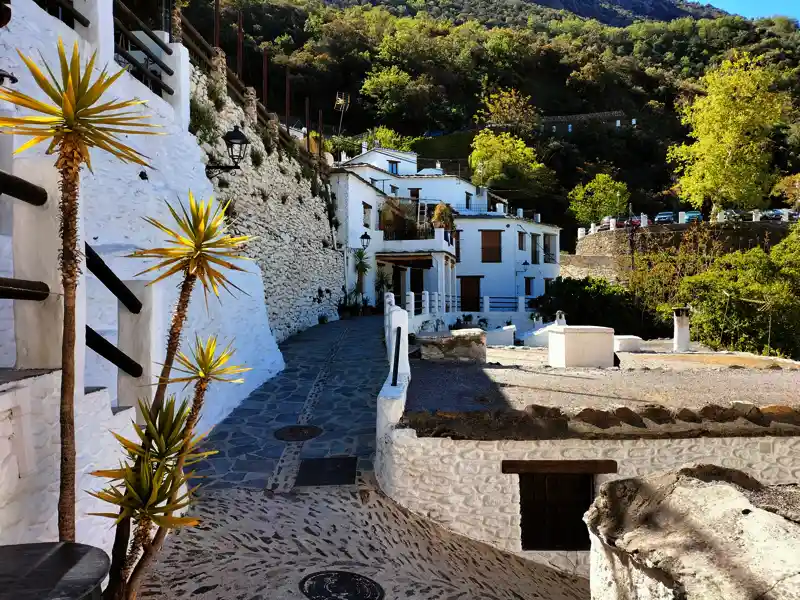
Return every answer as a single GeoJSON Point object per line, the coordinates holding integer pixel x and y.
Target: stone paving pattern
{"type": "Point", "coordinates": [332, 378]}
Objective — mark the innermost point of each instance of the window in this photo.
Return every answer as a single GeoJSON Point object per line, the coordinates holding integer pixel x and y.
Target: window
{"type": "Point", "coordinates": [547, 282]}
{"type": "Point", "coordinates": [491, 251]}
{"type": "Point", "coordinates": [529, 286]}
{"type": "Point", "coordinates": [550, 250]}
{"type": "Point", "coordinates": [553, 496]}
{"type": "Point", "coordinates": [394, 189]}
{"type": "Point", "coordinates": [534, 248]}
{"type": "Point", "coordinates": [367, 210]}
{"type": "Point", "coordinates": [457, 240]}
{"type": "Point", "coordinates": [414, 192]}
{"type": "Point", "coordinates": [394, 166]}
{"type": "Point", "coordinates": [521, 239]}
{"type": "Point", "coordinates": [467, 200]}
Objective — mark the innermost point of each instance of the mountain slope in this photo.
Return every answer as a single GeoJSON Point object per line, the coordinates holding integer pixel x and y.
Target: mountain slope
{"type": "Point", "coordinates": [517, 12]}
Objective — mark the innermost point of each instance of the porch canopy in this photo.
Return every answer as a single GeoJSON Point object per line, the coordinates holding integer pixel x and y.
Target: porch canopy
{"type": "Point", "coordinates": [412, 260]}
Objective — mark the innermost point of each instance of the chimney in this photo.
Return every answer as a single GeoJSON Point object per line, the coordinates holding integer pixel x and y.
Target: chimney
{"type": "Point", "coordinates": [519, 213]}
{"type": "Point", "coordinates": [364, 146]}
{"type": "Point", "coordinates": [438, 164]}
{"type": "Point", "coordinates": [537, 217]}
{"type": "Point", "coordinates": [680, 341]}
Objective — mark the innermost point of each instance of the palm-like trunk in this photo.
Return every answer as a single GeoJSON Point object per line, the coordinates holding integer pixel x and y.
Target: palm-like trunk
{"type": "Point", "coordinates": [68, 164]}
{"type": "Point", "coordinates": [150, 549]}
{"type": "Point", "coordinates": [117, 588]}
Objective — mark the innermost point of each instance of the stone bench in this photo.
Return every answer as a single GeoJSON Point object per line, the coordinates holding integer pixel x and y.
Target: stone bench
{"type": "Point", "coordinates": [627, 343]}
{"type": "Point", "coordinates": [461, 345]}
{"type": "Point", "coordinates": [581, 346]}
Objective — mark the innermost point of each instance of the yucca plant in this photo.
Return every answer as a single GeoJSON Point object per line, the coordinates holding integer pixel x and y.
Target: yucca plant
{"type": "Point", "coordinates": [362, 266]}
{"type": "Point", "coordinates": [200, 248]}
{"type": "Point", "coordinates": [75, 119]}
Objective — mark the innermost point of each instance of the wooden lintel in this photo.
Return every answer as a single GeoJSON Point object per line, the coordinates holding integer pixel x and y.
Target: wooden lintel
{"type": "Point", "coordinates": [594, 467]}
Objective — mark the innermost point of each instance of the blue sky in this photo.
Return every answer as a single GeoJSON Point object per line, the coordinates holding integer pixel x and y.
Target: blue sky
{"type": "Point", "coordinates": [759, 8]}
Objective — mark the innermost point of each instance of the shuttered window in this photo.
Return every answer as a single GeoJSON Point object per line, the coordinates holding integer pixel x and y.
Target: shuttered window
{"type": "Point", "coordinates": [529, 286]}
{"type": "Point", "coordinates": [457, 240]}
{"type": "Point", "coordinates": [491, 251]}
{"type": "Point", "coordinates": [535, 248]}
{"type": "Point", "coordinates": [521, 240]}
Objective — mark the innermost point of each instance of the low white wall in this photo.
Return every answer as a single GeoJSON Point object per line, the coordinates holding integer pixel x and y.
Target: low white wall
{"type": "Point", "coordinates": [459, 483]}
{"type": "Point", "coordinates": [29, 460]}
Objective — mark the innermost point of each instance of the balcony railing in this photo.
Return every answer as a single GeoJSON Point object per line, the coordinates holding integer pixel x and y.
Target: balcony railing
{"type": "Point", "coordinates": [411, 231]}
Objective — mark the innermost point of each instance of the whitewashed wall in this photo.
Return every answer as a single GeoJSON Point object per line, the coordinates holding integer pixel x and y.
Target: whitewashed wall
{"type": "Point", "coordinates": [115, 198]}
{"type": "Point", "coordinates": [29, 458]}
{"type": "Point", "coordinates": [459, 483]}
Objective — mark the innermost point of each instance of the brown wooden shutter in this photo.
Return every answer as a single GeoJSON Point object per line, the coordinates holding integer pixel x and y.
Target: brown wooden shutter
{"type": "Point", "coordinates": [491, 251]}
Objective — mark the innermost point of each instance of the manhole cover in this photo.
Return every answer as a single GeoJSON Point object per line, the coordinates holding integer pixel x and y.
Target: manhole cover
{"type": "Point", "coordinates": [298, 433]}
{"type": "Point", "coordinates": [340, 585]}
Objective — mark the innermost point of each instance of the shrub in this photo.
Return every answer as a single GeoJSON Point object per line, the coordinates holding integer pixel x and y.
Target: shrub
{"type": "Point", "coordinates": [202, 122]}
{"type": "Point", "coordinates": [322, 319]}
{"type": "Point", "coordinates": [216, 95]}
{"type": "Point", "coordinates": [307, 172]}
{"type": "Point", "coordinates": [256, 157]}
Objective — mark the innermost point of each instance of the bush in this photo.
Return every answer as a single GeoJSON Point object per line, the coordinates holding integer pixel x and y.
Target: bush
{"type": "Point", "coordinates": [322, 319]}
{"type": "Point", "coordinates": [202, 122]}
{"type": "Point", "coordinates": [216, 95]}
{"type": "Point", "coordinates": [592, 301]}
{"type": "Point", "coordinates": [256, 157]}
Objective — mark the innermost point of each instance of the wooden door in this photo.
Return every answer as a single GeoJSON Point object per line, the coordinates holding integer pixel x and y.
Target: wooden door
{"type": "Point", "coordinates": [470, 294]}
{"type": "Point", "coordinates": [417, 285]}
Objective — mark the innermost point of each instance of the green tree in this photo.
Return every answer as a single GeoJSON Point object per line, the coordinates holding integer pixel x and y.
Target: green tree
{"type": "Point", "coordinates": [389, 138]}
{"type": "Point", "coordinates": [729, 161]}
{"type": "Point", "coordinates": [789, 188]}
{"type": "Point", "coordinates": [508, 109]}
{"type": "Point", "coordinates": [601, 197]}
{"type": "Point", "coordinates": [503, 161]}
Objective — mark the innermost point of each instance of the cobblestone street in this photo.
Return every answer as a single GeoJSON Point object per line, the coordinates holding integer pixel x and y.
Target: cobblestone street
{"type": "Point", "coordinates": [277, 524]}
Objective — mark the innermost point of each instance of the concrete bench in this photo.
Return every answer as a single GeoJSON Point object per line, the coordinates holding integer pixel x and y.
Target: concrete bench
{"type": "Point", "coordinates": [581, 346]}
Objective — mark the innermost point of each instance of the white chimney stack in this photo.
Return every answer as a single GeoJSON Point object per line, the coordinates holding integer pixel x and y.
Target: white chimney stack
{"type": "Point", "coordinates": [680, 342]}
{"type": "Point", "coordinates": [537, 217]}
{"type": "Point", "coordinates": [519, 213]}
{"type": "Point", "coordinates": [364, 146]}
{"type": "Point", "coordinates": [438, 165]}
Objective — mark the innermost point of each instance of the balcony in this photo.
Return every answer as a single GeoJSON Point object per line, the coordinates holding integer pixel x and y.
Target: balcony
{"type": "Point", "coordinates": [420, 238]}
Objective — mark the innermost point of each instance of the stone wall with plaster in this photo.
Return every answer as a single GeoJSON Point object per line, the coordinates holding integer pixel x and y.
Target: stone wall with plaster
{"type": "Point", "coordinates": [460, 484]}
{"type": "Point", "coordinates": [303, 272]}
{"type": "Point", "coordinates": [29, 459]}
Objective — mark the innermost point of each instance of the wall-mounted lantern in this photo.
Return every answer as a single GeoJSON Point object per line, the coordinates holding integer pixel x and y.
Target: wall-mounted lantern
{"type": "Point", "coordinates": [365, 240]}
{"type": "Point", "coordinates": [236, 144]}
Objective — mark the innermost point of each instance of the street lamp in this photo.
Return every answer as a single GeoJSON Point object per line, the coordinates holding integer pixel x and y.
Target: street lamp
{"type": "Point", "coordinates": [365, 240]}
{"type": "Point", "coordinates": [236, 143]}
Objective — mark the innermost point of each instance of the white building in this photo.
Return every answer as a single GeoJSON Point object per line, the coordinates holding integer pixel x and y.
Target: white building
{"type": "Point", "coordinates": [491, 253]}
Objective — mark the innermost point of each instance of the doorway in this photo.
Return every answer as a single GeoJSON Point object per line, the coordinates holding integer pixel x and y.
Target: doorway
{"type": "Point", "coordinates": [470, 294]}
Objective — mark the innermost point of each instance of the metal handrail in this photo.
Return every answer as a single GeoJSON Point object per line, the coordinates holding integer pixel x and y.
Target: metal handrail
{"type": "Point", "coordinates": [22, 190]}
{"type": "Point", "coordinates": [143, 47]}
{"type": "Point", "coordinates": [114, 284]}
{"type": "Point", "coordinates": [140, 68]}
{"type": "Point", "coordinates": [396, 363]}
{"type": "Point", "coordinates": [140, 24]}
{"type": "Point", "coordinates": [112, 354]}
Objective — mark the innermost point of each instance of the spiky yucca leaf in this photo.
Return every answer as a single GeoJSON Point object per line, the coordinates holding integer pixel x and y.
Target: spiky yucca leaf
{"type": "Point", "coordinates": [144, 492]}
{"type": "Point", "coordinates": [200, 245]}
{"type": "Point", "coordinates": [206, 363]}
{"type": "Point", "coordinates": [76, 110]}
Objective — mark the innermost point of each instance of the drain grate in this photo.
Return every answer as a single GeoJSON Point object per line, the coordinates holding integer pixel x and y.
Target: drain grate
{"type": "Point", "coordinates": [297, 433]}
{"type": "Point", "coordinates": [340, 585]}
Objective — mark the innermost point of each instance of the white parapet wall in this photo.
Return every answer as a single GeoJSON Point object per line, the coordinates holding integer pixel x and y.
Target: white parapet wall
{"type": "Point", "coordinates": [461, 484]}
{"type": "Point", "coordinates": [29, 460]}
{"type": "Point", "coordinates": [581, 346]}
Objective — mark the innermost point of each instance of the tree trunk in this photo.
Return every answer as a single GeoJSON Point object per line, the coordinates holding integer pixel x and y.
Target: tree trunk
{"type": "Point", "coordinates": [68, 164]}
{"type": "Point", "coordinates": [117, 588]}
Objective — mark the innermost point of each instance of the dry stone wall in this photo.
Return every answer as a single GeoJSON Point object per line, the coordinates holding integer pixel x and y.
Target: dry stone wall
{"type": "Point", "coordinates": [303, 273]}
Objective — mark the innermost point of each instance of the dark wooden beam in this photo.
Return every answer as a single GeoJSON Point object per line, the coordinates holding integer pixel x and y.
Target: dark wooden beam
{"type": "Point", "coordinates": [22, 289]}
{"type": "Point", "coordinates": [22, 190]}
{"type": "Point", "coordinates": [100, 269]}
{"type": "Point", "coordinates": [586, 467]}
{"type": "Point", "coordinates": [96, 342]}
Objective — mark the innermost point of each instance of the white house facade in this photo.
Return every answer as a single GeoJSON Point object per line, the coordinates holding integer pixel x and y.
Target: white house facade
{"type": "Point", "coordinates": [489, 253]}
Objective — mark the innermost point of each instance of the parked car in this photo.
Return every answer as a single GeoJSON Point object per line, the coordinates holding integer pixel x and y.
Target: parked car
{"type": "Point", "coordinates": [736, 214]}
{"type": "Point", "coordinates": [772, 214]}
{"type": "Point", "coordinates": [664, 217]}
{"type": "Point", "coordinates": [694, 216]}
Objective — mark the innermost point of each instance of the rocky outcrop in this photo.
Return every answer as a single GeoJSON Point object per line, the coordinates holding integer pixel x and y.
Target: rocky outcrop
{"type": "Point", "coordinates": [701, 532]}
{"type": "Point", "coordinates": [461, 345]}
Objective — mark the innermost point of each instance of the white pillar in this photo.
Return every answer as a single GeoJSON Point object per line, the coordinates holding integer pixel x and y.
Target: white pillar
{"type": "Point", "coordinates": [399, 318]}
{"type": "Point", "coordinates": [581, 233]}
{"type": "Point", "coordinates": [410, 302]}
{"type": "Point", "coordinates": [454, 285]}
{"type": "Point", "coordinates": [426, 305]}
{"type": "Point", "coordinates": [178, 61]}
{"type": "Point", "coordinates": [486, 304]}
{"type": "Point", "coordinates": [140, 336]}
{"type": "Point", "coordinates": [785, 215]}
{"type": "Point", "coordinates": [434, 299]}
{"type": "Point", "coordinates": [680, 342]}
{"type": "Point", "coordinates": [756, 215]}
{"type": "Point", "coordinates": [593, 228]}
{"type": "Point", "coordinates": [100, 32]}
{"type": "Point", "coordinates": [612, 224]}
{"type": "Point", "coordinates": [682, 217]}
{"type": "Point", "coordinates": [388, 305]}
{"type": "Point", "coordinates": [521, 304]}
{"type": "Point", "coordinates": [644, 220]}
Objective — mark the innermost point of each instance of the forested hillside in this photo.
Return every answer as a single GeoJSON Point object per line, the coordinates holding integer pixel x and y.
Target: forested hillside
{"type": "Point", "coordinates": [418, 74]}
